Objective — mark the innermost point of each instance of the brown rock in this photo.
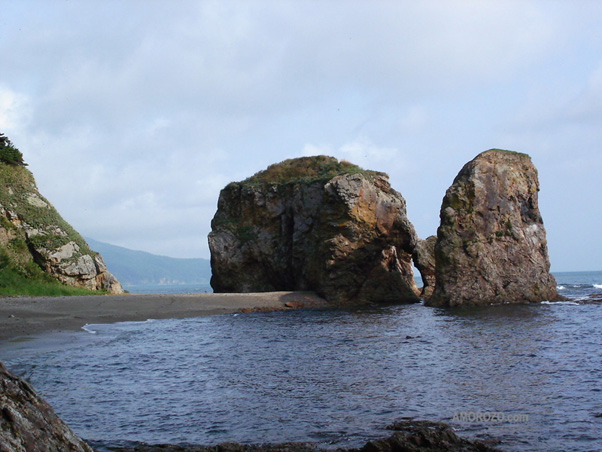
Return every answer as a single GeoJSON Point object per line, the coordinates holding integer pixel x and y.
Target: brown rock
{"type": "Point", "coordinates": [318, 224]}
{"type": "Point", "coordinates": [424, 260]}
{"type": "Point", "coordinates": [491, 244]}
{"type": "Point", "coordinates": [28, 423]}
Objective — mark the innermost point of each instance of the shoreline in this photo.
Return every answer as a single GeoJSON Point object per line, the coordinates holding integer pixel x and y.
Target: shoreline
{"type": "Point", "coordinates": [26, 316]}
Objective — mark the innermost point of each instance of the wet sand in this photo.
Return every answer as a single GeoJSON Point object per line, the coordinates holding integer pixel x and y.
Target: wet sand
{"type": "Point", "coordinates": [23, 316]}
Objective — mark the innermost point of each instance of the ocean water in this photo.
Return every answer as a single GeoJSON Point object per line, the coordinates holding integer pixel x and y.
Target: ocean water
{"type": "Point", "coordinates": [528, 375]}
{"type": "Point", "coordinates": [168, 288]}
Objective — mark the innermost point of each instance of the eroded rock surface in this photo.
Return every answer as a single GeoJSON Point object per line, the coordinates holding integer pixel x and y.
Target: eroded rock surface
{"type": "Point", "coordinates": [314, 224]}
{"type": "Point", "coordinates": [28, 423]}
{"type": "Point", "coordinates": [424, 260]}
{"type": "Point", "coordinates": [491, 244]}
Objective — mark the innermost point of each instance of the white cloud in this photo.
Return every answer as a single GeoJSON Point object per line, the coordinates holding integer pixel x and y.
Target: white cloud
{"type": "Point", "coordinates": [361, 151]}
{"type": "Point", "coordinates": [414, 119]}
{"type": "Point", "coordinates": [156, 105]}
{"type": "Point", "coordinates": [316, 149]}
{"type": "Point", "coordinates": [587, 106]}
{"type": "Point", "coordinates": [14, 109]}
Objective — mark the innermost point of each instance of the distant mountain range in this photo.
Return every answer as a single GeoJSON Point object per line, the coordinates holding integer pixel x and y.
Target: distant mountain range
{"type": "Point", "coordinates": [132, 267]}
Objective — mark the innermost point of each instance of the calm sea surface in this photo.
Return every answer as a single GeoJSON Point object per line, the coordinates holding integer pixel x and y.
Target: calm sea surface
{"type": "Point", "coordinates": [529, 375]}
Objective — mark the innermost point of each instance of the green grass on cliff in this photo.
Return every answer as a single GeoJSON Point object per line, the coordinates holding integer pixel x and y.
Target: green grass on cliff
{"type": "Point", "coordinates": [28, 279]}
{"type": "Point", "coordinates": [19, 274]}
{"type": "Point", "coordinates": [305, 170]}
{"type": "Point", "coordinates": [506, 151]}
{"type": "Point", "coordinates": [16, 184]}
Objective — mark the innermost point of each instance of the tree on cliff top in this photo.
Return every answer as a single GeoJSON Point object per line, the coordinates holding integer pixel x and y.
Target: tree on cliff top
{"type": "Point", "coordinates": [9, 153]}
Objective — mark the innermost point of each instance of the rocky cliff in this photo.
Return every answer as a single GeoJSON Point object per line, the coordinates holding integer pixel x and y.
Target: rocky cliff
{"type": "Point", "coordinates": [491, 244]}
{"type": "Point", "coordinates": [314, 223]}
{"type": "Point", "coordinates": [28, 423]}
{"type": "Point", "coordinates": [33, 233]}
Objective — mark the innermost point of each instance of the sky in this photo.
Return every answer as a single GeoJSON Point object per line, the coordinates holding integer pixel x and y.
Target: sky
{"type": "Point", "coordinates": [134, 114]}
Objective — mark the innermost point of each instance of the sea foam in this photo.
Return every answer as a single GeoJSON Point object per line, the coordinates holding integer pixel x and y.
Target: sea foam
{"type": "Point", "coordinates": [561, 302]}
{"type": "Point", "coordinates": [87, 329]}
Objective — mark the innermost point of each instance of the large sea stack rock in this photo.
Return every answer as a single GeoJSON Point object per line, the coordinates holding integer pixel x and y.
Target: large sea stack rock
{"type": "Point", "coordinates": [314, 223]}
{"type": "Point", "coordinates": [28, 423]}
{"type": "Point", "coordinates": [491, 244]}
{"type": "Point", "coordinates": [32, 231]}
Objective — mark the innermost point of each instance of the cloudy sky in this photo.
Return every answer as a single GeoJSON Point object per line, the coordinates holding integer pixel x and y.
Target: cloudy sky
{"type": "Point", "coordinates": [134, 114]}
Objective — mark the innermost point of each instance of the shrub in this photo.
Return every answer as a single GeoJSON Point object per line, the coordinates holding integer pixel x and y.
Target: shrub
{"type": "Point", "coordinates": [9, 154]}
{"type": "Point", "coordinates": [305, 169]}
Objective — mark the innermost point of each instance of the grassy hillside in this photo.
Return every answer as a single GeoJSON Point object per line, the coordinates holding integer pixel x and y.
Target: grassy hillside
{"type": "Point", "coordinates": [138, 267]}
{"type": "Point", "coordinates": [33, 261]}
{"type": "Point", "coordinates": [30, 280]}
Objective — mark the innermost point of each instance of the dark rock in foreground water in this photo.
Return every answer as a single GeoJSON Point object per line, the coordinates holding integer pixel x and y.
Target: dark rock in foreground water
{"type": "Point", "coordinates": [317, 224]}
{"type": "Point", "coordinates": [491, 245]}
{"type": "Point", "coordinates": [425, 436]}
{"type": "Point", "coordinates": [409, 436]}
{"type": "Point", "coordinates": [28, 423]}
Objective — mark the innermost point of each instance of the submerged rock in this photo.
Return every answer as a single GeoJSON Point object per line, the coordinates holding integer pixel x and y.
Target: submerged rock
{"type": "Point", "coordinates": [409, 436]}
{"type": "Point", "coordinates": [28, 423]}
{"type": "Point", "coordinates": [491, 244]}
{"type": "Point", "coordinates": [314, 223]}
{"type": "Point", "coordinates": [425, 436]}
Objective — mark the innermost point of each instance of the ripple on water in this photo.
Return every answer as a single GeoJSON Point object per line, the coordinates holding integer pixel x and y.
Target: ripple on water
{"type": "Point", "coordinates": [332, 377]}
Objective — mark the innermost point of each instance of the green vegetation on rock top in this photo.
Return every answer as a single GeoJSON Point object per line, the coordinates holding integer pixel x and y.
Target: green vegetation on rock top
{"type": "Point", "coordinates": [505, 151]}
{"type": "Point", "coordinates": [305, 170]}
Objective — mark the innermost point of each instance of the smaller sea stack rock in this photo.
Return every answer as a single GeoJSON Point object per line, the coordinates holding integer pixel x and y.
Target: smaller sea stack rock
{"type": "Point", "coordinates": [314, 223]}
{"type": "Point", "coordinates": [491, 244]}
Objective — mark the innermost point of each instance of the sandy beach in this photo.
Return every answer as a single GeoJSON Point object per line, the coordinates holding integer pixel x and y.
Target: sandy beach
{"type": "Point", "coordinates": [22, 316]}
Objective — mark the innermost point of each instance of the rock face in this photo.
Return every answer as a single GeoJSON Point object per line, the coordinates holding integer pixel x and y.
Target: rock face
{"type": "Point", "coordinates": [315, 224]}
{"type": "Point", "coordinates": [424, 260]}
{"type": "Point", "coordinates": [28, 423]}
{"type": "Point", "coordinates": [491, 244]}
{"type": "Point", "coordinates": [425, 436]}
{"type": "Point", "coordinates": [32, 231]}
